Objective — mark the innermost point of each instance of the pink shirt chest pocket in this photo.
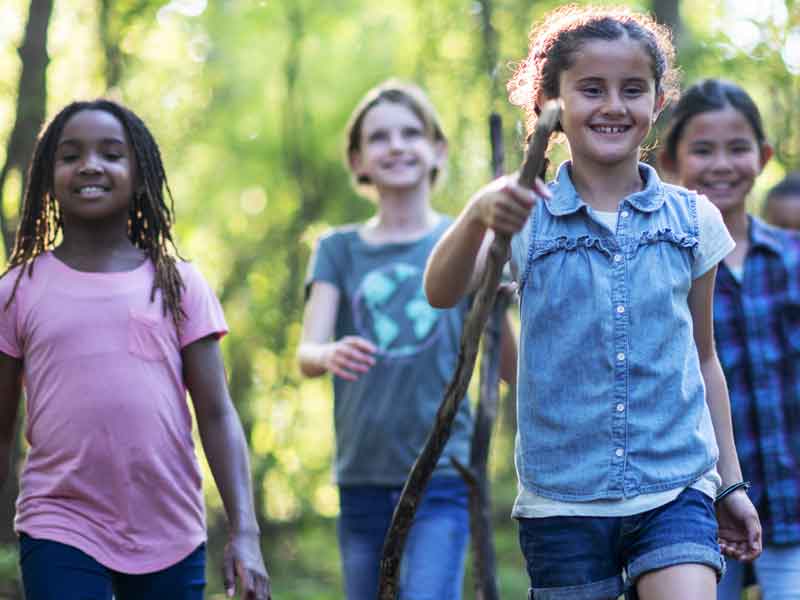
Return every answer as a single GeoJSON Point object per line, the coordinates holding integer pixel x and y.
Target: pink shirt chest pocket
{"type": "Point", "coordinates": [150, 335]}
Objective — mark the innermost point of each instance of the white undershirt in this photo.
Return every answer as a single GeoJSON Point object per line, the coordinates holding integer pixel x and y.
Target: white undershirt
{"type": "Point", "coordinates": [533, 506]}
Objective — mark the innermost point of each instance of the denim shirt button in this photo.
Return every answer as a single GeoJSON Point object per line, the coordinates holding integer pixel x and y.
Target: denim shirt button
{"type": "Point", "coordinates": [621, 356]}
{"type": "Point", "coordinates": [619, 452]}
{"type": "Point", "coordinates": [617, 257]}
{"type": "Point", "coordinates": [620, 407]}
{"type": "Point", "coordinates": [624, 214]}
{"type": "Point", "coordinates": [620, 309]}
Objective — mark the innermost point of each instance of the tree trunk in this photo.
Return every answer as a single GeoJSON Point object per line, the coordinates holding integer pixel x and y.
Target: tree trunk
{"type": "Point", "coordinates": [110, 43]}
{"type": "Point", "coordinates": [313, 184]}
{"type": "Point", "coordinates": [668, 13]}
{"type": "Point", "coordinates": [480, 509]}
{"type": "Point", "coordinates": [31, 102]}
{"type": "Point", "coordinates": [480, 514]}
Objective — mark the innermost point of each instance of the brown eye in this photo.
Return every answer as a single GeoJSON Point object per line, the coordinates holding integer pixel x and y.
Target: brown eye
{"type": "Point", "coordinates": [377, 136]}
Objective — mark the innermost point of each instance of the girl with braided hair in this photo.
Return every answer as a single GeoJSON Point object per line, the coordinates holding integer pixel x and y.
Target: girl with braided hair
{"type": "Point", "coordinates": [108, 331]}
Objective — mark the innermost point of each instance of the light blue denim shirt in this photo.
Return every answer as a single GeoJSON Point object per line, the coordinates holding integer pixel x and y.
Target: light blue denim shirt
{"type": "Point", "coordinates": [611, 401]}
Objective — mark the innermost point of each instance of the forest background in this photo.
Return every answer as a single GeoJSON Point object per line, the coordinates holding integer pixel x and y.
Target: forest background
{"type": "Point", "coordinates": [248, 100]}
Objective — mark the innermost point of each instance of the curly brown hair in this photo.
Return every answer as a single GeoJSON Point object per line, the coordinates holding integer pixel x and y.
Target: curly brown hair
{"type": "Point", "coordinates": [554, 41]}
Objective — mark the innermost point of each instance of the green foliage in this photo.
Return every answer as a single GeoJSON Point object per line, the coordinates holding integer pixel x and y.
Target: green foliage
{"type": "Point", "coordinates": [756, 45]}
{"type": "Point", "coordinates": [9, 557]}
{"type": "Point", "coordinates": [249, 102]}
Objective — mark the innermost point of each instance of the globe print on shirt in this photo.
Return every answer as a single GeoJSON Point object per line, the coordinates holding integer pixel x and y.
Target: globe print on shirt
{"type": "Point", "coordinates": [391, 310]}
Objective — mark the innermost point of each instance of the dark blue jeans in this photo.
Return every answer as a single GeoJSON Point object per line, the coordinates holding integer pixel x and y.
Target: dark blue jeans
{"type": "Point", "coordinates": [55, 571]}
{"type": "Point", "coordinates": [433, 558]}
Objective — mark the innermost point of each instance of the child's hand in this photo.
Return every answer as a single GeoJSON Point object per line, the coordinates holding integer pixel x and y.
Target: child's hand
{"type": "Point", "coordinates": [349, 357]}
{"type": "Point", "coordinates": [504, 205]}
{"type": "Point", "coordinates": [243, 561]}
{"type": "Point", "coordinates": [739, 527]}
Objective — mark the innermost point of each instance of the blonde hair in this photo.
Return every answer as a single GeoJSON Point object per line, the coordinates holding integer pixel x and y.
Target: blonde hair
{"type": "Point", "coordinates": [398, 92]}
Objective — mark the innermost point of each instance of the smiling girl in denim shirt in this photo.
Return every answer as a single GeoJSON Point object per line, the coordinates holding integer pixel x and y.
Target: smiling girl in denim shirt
{"type": "Point", "coordinates": [624, 423]}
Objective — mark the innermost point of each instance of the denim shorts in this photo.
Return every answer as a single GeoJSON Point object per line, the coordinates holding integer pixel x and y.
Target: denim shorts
{"type": "Point", "coordinates": [432, 567]}
{"type": "Point", "coordinates": [599, 558]}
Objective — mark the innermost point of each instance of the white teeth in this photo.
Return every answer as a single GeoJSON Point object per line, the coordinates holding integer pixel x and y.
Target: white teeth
{"type": "Point", "coordinates": [399, 165]}
{"type": "Point", "coordinates": [91, 190]}
{"type": "Point", "coordinates": [609, 129]}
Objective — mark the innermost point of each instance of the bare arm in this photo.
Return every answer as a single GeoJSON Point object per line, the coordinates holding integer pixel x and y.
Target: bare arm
{"type": "Point", "coordinates": [317, 352]}
{"type": "Point", "coordinates": [740, 529]}
{"type": "Point", "coordinates": [456, 260]}
{"type": "Point", "coordinates": [502, 206]}
{"type": "Point", "coordinates": [226, 449]}
{"type": "Point", "coordinates": [10, 390]}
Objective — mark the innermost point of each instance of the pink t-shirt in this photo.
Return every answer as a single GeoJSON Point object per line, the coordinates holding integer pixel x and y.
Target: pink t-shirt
{"type": "Point", "coordinates": [111, 468]}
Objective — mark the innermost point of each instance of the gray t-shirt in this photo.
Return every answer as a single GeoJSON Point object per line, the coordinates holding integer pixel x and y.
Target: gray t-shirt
{"type": "Point", "coordinates": [383, 419]}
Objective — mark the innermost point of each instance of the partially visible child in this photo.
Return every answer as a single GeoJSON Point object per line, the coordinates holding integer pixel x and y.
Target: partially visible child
{"type": "Point", "coordinates": [367, 322]}
{"type": "Point", "coordinates": [782, 206]}
{"type": "Point", "coordinates": [107, 331]}
{"type": "Point", "coordinates": [716, 145]}
{"type": "Point", "coordinates": [624, 432]}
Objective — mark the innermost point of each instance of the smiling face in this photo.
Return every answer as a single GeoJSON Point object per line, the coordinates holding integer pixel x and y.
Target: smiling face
{"type": "Point", "coordinates": [94, 168]}
{"type": "Point", "coordinates": [718, 155]}
{"type": "Point", "coordinates": [610, 102]}
{"type": "Point", "coordinates": [395, 151]}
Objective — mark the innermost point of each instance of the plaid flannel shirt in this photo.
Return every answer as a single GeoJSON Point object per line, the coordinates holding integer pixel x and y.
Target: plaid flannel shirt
{"type": "Point", "coordinates": [757, 331]}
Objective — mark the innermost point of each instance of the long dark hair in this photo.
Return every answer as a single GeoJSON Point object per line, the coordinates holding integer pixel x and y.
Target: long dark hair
{"type": "Point", "coordinates": [710, 95]}
{"type": "Point", "coordinates": [150, 216]}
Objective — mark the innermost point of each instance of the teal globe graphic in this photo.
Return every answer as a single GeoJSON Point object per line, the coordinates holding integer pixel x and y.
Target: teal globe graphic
{"type": "Point", "coordinates": [392, 312]}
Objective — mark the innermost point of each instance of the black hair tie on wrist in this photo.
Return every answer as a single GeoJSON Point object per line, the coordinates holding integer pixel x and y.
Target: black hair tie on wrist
{"type": "Point", "coordinates": [730, 489]}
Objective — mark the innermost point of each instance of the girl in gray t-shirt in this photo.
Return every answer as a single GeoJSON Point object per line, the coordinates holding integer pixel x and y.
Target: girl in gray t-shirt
{"type": "Point", "coordinates": [368, 323]}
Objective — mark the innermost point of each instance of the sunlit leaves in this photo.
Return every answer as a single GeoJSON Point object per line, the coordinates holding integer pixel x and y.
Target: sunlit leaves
{"type": "Point", "coordinates": [249, 102]}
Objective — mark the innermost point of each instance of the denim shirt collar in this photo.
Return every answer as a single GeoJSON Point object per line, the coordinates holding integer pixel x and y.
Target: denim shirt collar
{"type": "Point", "coordinates": [566, 200]}
{"type": "Point", "coordinates": [763, 235]}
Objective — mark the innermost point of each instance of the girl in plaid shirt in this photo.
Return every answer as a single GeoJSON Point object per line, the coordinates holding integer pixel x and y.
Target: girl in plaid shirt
{"type": "Point", "coordinates": [716, 145]}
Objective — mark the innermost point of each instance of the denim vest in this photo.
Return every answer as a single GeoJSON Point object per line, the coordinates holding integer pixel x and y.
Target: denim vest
{"type": "Point", "coordinates": [611, 401]}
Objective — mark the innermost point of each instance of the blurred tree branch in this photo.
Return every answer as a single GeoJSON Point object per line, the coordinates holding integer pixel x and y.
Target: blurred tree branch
{"type": "Point", "coordinates": [30, 109]}
{"type": "Point", "coordinates": [30, 113]}
{"type": "Point", "coordinates": [312, 178]}
{"type": "Point", "coordinates": [114, 18]}
{"type": "Point", "coordinates": [667, 12]}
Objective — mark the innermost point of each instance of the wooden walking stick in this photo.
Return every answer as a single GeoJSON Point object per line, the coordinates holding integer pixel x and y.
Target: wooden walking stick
{"type": "Point", "coordinates": [484, 572]}
{"type": "Point", "coordinates": [470, 337]}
